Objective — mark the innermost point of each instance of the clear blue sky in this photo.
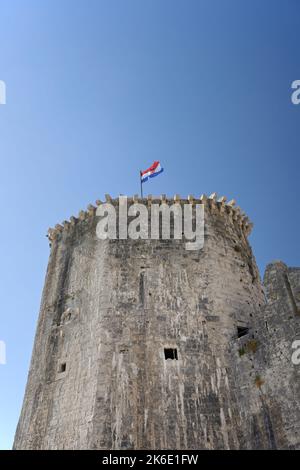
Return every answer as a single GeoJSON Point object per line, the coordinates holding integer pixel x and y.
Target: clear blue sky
{"type": "Point", "coordinates": [97, 90]}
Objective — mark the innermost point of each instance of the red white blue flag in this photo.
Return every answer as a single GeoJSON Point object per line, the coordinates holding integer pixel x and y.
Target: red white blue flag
{"type": "Point", "coordinates": [154, 170]}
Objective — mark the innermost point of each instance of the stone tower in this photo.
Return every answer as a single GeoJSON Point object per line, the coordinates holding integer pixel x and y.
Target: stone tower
{"type": "Point", "coordinates": [142, 344]}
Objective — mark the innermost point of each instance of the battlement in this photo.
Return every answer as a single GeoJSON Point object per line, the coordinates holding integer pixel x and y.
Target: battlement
{"type": "Point", "coordinates": [212, 203]}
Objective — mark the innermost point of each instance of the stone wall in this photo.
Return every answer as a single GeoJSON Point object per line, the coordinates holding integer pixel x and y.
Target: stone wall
{"type": "Point", "coordinates": [99, 378]}
{"type": "Point", "coordinates": [278, 327]}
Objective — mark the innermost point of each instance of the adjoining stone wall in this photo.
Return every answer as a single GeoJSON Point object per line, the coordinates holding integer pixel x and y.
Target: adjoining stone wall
{"type": "Point", "coordinates": [278, 327]}
{"type": "Point", "coordinates": [99, 378]}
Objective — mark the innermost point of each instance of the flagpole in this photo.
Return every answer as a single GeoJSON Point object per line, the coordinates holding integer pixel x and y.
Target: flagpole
{"type": "Point", "coordinates": [141, 185]}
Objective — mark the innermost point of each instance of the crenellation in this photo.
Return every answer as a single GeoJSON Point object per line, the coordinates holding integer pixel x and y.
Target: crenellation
{"type": "Point", "coordinates": [82, 215]}
{"type": "Point", "coordinates": [91, 210]}
{"type": "Point", "coordinates": [73, 220]}
{"type": "Point", "coordinates": [231, 203]}
{"type": "Point", "coordinates": [234, 215]}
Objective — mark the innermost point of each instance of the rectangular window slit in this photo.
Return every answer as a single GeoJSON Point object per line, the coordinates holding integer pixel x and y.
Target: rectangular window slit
{"type": "Point", "coordinates": [171, 353]}
{"type": "Point", "coordinates": [242, 331]}
{"type": "Point", "coordinates": [62, 367]}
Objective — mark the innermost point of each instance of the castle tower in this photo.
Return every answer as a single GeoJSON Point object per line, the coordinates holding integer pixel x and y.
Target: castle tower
{"type": "Point", "coordinates": [142, 344]}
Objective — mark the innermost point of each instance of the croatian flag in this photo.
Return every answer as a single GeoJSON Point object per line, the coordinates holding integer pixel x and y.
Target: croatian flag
{"type": "Point", "coordinates": [154, 170]}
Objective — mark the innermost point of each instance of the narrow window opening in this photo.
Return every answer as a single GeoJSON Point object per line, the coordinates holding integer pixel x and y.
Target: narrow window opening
{"type": "Point", "coordinates": [62, 367]}
{"type": "Point", "coordinates": [242, 331]}
{"type": "Point", "coordinates": [171, 353]}
{"type": "Point", "coordinates": [123, 350]}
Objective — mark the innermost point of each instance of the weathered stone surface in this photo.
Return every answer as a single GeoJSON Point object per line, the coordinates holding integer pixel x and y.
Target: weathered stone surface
{"type": "Point", "coordinates": [99, 378]}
